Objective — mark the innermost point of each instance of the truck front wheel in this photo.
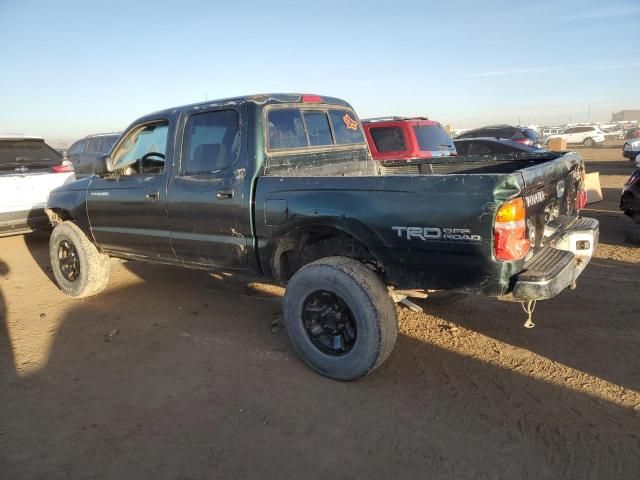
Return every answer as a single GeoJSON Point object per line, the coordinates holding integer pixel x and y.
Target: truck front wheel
{"type": "Point", "coordinates": [340, 317]}
{"type": "Point", "coordinates": [78, 266]}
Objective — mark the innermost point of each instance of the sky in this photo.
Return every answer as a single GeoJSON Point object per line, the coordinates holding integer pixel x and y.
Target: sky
{"type": "Point", "coordinates": [72, 68]}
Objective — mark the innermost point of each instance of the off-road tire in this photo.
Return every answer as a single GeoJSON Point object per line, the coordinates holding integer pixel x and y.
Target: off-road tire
{"type": "Point", "coordinates": [370, 303]}
{"type": "Point", "coordinates": [588, 142]}
{"type": "Point", "coordinates": [94, 265]}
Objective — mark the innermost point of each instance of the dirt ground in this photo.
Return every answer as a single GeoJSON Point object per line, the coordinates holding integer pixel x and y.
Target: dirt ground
{"type": "Point", "coordinates": [195, 384]}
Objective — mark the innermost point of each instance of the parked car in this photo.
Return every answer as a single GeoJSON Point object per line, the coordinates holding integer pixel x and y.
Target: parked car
{"type": "Point", "coordinates": [492, 146]}
{"type": "Point", "coordinates": [632, 133]}
{"type": "Point", "coordinates": [84, 152]}
{"type": "Point", "coordinates": [29, 170]}
{"type": "Point", "coordinates": [283, 186]}
{"type": "Point", "coordinates": [589, 136]}
{"type": "Point", "coordinates": [630, 199]}
{"type": "Point", "coordinates": [526, 136]}
{"type": "Point", "coordinates": [405, 138]}
{"type": "Point", "coordinates": [613, 133]}
{"type": "Point", "coordinates": [631, 149]}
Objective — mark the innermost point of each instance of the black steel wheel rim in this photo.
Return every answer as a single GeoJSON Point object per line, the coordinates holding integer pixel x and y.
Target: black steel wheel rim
{"type": "Point", "coordinates": [329, 323]}
{"type": "Point", "coordinates": [68, 261]}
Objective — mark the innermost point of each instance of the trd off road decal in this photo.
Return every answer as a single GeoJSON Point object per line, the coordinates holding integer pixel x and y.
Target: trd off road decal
{"type": "Point", "coordinates": [435, 233]}
{"type": "Point", "coordinates": [350, 122]}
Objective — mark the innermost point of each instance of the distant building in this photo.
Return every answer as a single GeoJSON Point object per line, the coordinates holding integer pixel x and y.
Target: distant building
{"type": "Point", "coordinates": [627, 115]}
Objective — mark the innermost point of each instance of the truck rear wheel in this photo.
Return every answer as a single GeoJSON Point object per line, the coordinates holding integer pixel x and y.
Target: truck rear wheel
{"type": "Point", "coordinates": [588, 142]}
{"type": "Point", "coordinates": [77, 265]}
{"type": "Point", "coordinates": [340, 317]}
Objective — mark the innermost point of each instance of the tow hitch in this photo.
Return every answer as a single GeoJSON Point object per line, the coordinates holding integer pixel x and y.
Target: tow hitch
{"type": "Point", "coordinates": [528, 308]}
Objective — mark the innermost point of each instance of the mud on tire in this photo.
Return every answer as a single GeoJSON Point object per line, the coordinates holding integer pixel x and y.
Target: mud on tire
{"type": "Point", "coordinates": [78, 267]}
{"type": "Point", "coordinates": [314, 295]}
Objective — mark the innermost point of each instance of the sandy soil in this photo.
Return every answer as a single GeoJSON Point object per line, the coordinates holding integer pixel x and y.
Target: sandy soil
{"type": "Point", "coordinates": [195, 384]}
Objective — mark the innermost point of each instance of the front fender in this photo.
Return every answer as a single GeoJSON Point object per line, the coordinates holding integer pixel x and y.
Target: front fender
{"type": "Point", "coordinates": [70, 202]}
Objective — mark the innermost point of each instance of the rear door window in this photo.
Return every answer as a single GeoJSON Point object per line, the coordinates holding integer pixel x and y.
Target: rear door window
{"type": "Point", "coordinates": [388, 139]}
{"type": "Point", "coordinates": [432, 138]}
{"type": "Point", "coordinates": [106, 143]}
{"type": "Point", "coordinates": [210, 142]}
{"type": "Point", "coordinates": [77, 148]}
{"type": "Point", "coordinates": [92, 145]}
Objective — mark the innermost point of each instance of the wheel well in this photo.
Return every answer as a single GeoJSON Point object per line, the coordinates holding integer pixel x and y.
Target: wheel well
{"type": "Point", "coordinates": [57, 215]}
{"type": "Point", "coordinates": [305, 245]}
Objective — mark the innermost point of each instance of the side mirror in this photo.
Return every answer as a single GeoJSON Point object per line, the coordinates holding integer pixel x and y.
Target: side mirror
{"type": "Point", "coordinates": [101, 165]}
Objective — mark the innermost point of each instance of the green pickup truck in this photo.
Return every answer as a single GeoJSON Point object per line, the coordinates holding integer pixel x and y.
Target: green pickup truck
{"type": "Point", "coordinates": [283, 186]}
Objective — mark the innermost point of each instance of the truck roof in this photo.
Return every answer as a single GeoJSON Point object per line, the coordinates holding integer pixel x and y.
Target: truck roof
{"type": "Point", "coordinates": [262, 98]}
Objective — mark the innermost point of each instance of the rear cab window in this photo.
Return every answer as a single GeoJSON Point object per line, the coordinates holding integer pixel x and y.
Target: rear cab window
{"type": "Point", "coordinates": [304, 127]}
{"type": "Point", "coordinates": [432, 138]}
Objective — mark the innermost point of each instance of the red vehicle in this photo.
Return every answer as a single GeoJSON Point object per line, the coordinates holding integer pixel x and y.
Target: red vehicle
{"type": "Point", "coordinates": [401, 138]}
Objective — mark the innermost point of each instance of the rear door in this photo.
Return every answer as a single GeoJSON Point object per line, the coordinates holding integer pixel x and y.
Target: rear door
{"type": "Point", "coordinates": [76, 152]}
{"type": "Point", "coordinates": [127, 210]}
{"type": "Point", "coordinates": [85, 165]}
{"type": "Point", "coordinates": [206, 195]}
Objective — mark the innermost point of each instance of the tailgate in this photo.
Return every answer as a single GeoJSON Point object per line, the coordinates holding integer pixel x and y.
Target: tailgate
{"type": "Point", "coordinates": [551, 194]}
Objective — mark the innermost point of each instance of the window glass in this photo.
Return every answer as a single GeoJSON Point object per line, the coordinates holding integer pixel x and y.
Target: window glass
{"type": "Point", "coordinates": [286, 129]}
{"type": "Point", "coordinates": [388, 139]}
{"type": "Point", "coordinates": [432, 138]}
{"type": "Point", "coordinates": [317, 127]}
{"type": "Point", "coordinates": [211, 142]}
{"type": "Point", "coordinates": [478, 149]}
{"type": "Point", "coordinates": [77, 148]}
{"type": "Point", "coordinates": [346, 128]}
{"type": "Point", "coordinates": [143, 151]}
{"type": "Point", "coordinates": [570, 130]}
{"type": "Point", "coordinates": [106, 143]}
{"type": "Point", "coordinates": [92, 145]}
{"type": "Point", "coordinates": [30, 153]}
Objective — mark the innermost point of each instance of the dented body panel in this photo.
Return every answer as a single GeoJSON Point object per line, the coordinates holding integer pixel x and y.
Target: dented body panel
{"type": "Point", "coordinates": [271, 211]}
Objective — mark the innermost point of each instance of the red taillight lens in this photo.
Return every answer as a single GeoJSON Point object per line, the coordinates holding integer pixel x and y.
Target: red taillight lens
{"type": "Point", "coordinates": [581, 199]}
{"type": "Point", "coordinates": [510, 240]}
{"type": "Point", "coordinates": [65, 167]}
{"type": "Point", "coordinates": [311, 99]}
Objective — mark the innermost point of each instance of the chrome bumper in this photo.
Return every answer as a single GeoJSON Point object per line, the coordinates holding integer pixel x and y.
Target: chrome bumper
{"type": "Point", "coordinates": [555, 267]}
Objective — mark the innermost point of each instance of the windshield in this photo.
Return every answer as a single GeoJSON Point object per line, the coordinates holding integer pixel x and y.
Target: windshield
{"type": "Point", "coordinates": [28, 153]}
{"type": "Point", "coordinates": [432, 138]}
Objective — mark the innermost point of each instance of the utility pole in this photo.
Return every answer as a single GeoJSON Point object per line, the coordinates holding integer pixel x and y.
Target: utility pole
{"type": "Point", "coordinates": [589, 114]}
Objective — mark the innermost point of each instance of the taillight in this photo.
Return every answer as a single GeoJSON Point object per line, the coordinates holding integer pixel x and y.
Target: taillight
{"type": "Point", "coordinates": [65, 167]}
{"type": "Point", "coordinates": [581, 200]}
{"type": "Point", "coordinates": [510, 240]}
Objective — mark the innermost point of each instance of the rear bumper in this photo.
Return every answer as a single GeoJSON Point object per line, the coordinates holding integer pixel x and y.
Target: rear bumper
{"type": "Point", "coordinates": [554, 268]}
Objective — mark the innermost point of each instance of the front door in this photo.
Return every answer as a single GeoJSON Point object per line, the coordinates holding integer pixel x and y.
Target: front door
{"type": "Point", "coordinates": [206, 195]}
{"type": "Point", "coordinates": [127, 209]}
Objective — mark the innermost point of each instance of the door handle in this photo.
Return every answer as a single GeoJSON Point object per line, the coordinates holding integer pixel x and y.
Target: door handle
{"type": "Point", "coordinates": [153, 196]}
{"type": "Point", "coordinates": [224, 194]}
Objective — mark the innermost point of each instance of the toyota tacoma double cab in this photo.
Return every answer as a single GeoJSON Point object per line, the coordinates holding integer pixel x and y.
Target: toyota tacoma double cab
{"type": "Point", "coordinates": [283, 186]}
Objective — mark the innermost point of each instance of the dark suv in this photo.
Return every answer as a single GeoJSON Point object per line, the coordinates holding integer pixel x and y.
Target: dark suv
{"type": "Point", "coordinates": [83, 153]}
{"type": "Point", "coordinates": [526, 136]}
